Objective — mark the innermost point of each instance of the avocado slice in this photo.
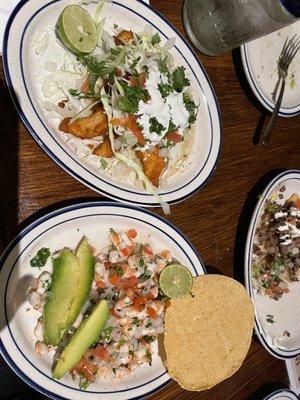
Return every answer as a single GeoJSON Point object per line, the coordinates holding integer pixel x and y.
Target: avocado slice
{"type": "Point", "coordinates": [86, 335]}
{"type": "Point", "coordinates": [71, 284]}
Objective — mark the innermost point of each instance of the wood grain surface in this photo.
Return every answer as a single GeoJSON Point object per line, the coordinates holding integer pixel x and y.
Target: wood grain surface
{"type": "Point", "coordinates": [215, 219]}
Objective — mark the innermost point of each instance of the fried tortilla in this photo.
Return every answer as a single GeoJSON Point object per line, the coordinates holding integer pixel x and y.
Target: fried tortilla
{"type": "Point", "coordinates": [104, 149]}
{"type": "Point", "coordinates": [208, 333]}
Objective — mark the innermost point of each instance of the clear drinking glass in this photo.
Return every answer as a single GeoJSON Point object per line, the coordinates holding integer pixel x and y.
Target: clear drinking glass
{"type": "Point", "coordinates": [217, 26]}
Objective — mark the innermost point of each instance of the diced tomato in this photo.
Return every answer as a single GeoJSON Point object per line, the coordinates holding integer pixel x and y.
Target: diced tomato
{"type": "Point", "coordinates": [127, 251]}
{"type": "Point", "coordinates": [148, 251]}
{"type": "Point", "coordinates": [115, 239]}
{"type": "Point", "coordinates": [132, 233]}
{"type": "Point", "coordinates": [133, 127]}
{"type": "Point", "coordinates": [114, 279]}
{"type": "Point", "coordinates": [139, 302]}
{"type": "Point", "coordinates": [86, 84]}
{"type": "Point", "coordinates": [101, 352]}
{"type": "Point", "coordinates": [151, 312]}
{"type": "Point", "coordinates": [86, 368]}
{"type": "Point", "coordinates": [129, 282]}
{"type": "Point", "coordinates": [113, 313]}
{"type": "Point", "coordinates": [174, 137]}
{"type": "Point", "coordinates": [100, 284]}
{"type": "Point", "coordinates": [133, 81]}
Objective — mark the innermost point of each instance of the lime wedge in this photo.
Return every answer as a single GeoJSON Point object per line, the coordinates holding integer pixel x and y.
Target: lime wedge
{"type": "Point", "coordinates": [176, 281]}
{"type": "Point", "coordinates": [77, 30]}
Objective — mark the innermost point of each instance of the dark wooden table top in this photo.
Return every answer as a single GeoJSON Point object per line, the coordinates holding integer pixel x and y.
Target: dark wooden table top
{"type": "Point", "coordinates": [215, 219]}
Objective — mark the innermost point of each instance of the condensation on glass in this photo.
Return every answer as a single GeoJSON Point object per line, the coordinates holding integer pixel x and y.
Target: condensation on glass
{"type": "Point", "coordinates": [217, 26]}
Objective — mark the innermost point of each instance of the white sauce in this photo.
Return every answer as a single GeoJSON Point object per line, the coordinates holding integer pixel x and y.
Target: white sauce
{"type": "Point", "coordinates": [164, 110]}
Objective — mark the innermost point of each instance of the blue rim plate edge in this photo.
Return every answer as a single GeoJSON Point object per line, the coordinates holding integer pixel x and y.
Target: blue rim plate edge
{"type": "Point", "coordinates": [61, 163]}
{"type": "Point", "coordinates": [289, 391]}
{"type": "Point", "coordinates": [54, 214]}
{"type": "Point", "coordinates": [256, 90]}
{"type": "Point", "coordinates": [247, 257]}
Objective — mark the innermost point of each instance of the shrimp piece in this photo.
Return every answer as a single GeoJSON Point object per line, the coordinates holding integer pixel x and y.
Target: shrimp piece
{"type": "Point", "coordinates": [130, 293]}
{"type": "Point", "coordinates": [129, 331]}
{"type": "Point", "coordinates": [122, 303]}
{"type": "Point", "coordinates": [153, 292]}
{"type": "Point", "coordinates": [41, 348]}
{"type": "Point", "coordinates": [124, 321]}
{"type": "Point", "coordinates": [167, 255]}
{"type": "Point", "coordinates": [121, 372]}
{"type": "Point", "coordinates": [104, 372]}
{"type": "Point", "coordinates": [158, 306]}
{"type": "Point", "coordinates": [160, 266]}
{"type": "Point", "coordinates": [35, 300]}
{"type": "Point", "coordinates": [132, 261]}
{"type": "Point", "coordinates": [128, 272]}
{"type": "Point", "coordinates": [38, 331]}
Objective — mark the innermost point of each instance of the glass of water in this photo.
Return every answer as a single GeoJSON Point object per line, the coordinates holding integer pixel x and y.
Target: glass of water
{"type": "Point", "coordinates": [217, 26]}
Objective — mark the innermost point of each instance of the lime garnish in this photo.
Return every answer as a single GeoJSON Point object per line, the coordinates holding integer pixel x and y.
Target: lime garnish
{"type": "Point", "coordinates": [176, 281]}
{"type": "Point", "coordinates": [77, 30]}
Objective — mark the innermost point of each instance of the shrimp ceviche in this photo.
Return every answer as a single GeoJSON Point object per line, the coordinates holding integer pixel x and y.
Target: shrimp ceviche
{"type": "Point", "coordinates": [125, 274]}
{"type": "Point", "coordinates": [276, 251]}
{"type": "Point", "coordinates": [124, 107]}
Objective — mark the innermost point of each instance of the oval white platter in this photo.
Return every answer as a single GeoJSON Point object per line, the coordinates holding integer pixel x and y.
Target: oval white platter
{"type": "Point", "coordinates": [286, 311]}
{"type": "Point", "coordinates": [259, 58]}
{"type": "Point", "coordinates": [284, 394]}
{"type": "Point", "coordinates": [65, 228]}
{"type": "Point", "coordinates": [30, 20]}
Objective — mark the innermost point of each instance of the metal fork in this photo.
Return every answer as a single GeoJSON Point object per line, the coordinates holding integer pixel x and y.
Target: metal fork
{"type": "Point", "coordinates": [288, 52]}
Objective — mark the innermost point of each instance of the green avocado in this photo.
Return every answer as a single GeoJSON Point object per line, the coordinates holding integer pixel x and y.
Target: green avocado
{"type": "Point", "coordinates": [86, 335]}
{"type": "Point", "coordinates": [71, 285]}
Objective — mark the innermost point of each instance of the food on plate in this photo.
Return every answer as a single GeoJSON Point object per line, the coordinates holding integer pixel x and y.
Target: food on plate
{"type": "Point", "coordinates": [276, 250]}
{"type": "Point", "coordinates": [208, 334]}
{"type": "Point", "coordinates": [121, 100]}
{"type": "Point", "coordinates": [86, 335]}
{"type": "Point", "coordinates": [70, 287]}
{"type": "Point", "coordinates": [125, 274]}
{"type": "Point", "coordinates": [176, 281]}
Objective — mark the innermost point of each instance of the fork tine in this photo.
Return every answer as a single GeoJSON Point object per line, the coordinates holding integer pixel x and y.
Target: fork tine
{"type": "Point", "coordinates": [290, 45]}
{"type": "Point", "coordinates": [293, 51]}
{"type": "Point", "coordinates": [294, 54]}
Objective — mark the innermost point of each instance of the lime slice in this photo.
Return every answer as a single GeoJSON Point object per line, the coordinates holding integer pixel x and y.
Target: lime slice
{"type": "Point", "coordinates": [77, 30]}
{"type": "Point", "coordinates": [176, 281]}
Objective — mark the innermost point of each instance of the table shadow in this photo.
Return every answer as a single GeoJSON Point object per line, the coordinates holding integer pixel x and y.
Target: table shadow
{"type": "Point", "coordinates": [240, 73]}
{"type": "Point", "coordinates": [11, 387]}
{"type": "Point", "coordinates": [266, 390]}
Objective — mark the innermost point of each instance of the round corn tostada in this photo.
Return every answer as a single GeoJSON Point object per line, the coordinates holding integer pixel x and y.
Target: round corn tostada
{"type": "Point", "coordinates": [208, 333]}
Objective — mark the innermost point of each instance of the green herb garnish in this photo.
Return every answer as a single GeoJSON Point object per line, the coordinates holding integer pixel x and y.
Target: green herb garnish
{"type": "Point", "coordinates": [165, 89]}
{"type": "Point", "coordinates": [149, 357]}
{"type": "Point", "coordinates": [155, 126]}
{"type": "Point", "coordinates": [270, 319]}
{"type": "Point", "coordinates": [129, 103]}
{"type": "Point", "coordinates": [155, 39]}
{"type": "Point", "coordinates": [179, 79]}
{"type": "Point", "coordinates": [103, 163]}
{"type": "Point", "coordinates": [105, 334]}
{"type": "Point", "coordinates": [191, 107]}
{"type": "Point", "coordinates": [149, 339]}
{"type": "Point", "coordinates": [41, 257]}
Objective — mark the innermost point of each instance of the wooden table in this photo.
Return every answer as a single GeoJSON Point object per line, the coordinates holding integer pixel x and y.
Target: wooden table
{"type": "Point", "coordinates": [215, 219]}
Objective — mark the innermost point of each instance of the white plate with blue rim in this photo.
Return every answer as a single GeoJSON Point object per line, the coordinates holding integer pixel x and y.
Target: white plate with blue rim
{"type": "Point", "coordinates": [277, 323]}
{"type": "Point", "coordinates": [65, 228]}
{"type": "Point", "coordinates": [21, 67]}
{"type": "Point", "coordinates": [282, 394]}
{"type": "Point", "coordinates": [259, 58]}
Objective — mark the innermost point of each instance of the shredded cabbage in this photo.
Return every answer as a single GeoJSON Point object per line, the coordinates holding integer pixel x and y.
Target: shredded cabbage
{"type": "Point", "coordinates": [84, 112]}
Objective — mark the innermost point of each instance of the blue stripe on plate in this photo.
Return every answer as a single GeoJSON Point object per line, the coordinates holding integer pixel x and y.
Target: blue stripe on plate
{"type": "Point", "coordinates": [50, 216]}
{"type": "Point", "coordinates": [61, 163]}
{"type": "Point", "coordinates": [249, 267]}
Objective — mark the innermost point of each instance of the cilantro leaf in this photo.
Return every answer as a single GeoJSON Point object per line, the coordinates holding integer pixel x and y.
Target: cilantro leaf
{"type": "Point", "coordinates": [155, 39]}
{"type": "Point", "coordinates": [105, 334]}
{"type": "Point", "coordinates": [172, 127]}
{"type": "Point", "coordinates": [84, 384]}
{"type": "Point", "coordinates": [163, 66]}
{"type": "Point", "coordinates": [115, 51]}
{"type": "Point", "coordinates": [149, 339]}
{"type": "Point", "coordinates": [74, 92]}
{"type": "Point", "coordinates": [41, 257]}
{"type": "Point", "coordinates": [155, 126]}
{"type": "Point", "coordinates": [191, 108]}
{"type": "Point", "coordinates": [165, 89]}
{"type": "Point", "coordinates": [179, 79]}
{"type": "Point", "coordinates": [129, 103]}
{"type": "Point", "coordinates": [101, 68]}
{"type": "Point", "coordinates": [103, 163]}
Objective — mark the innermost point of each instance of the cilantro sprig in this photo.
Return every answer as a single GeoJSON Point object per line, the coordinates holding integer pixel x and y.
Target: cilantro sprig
{"type": "Point", "coordinates": [41, 257]}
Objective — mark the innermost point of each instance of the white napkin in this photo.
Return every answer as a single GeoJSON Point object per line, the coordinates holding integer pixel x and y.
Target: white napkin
{"type": "Point", "coordinates": [6, 8]}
